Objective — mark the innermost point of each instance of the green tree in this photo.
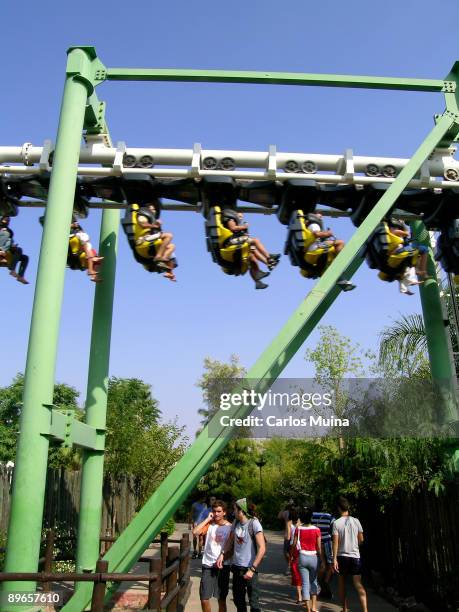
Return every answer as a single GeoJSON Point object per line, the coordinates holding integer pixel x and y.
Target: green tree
{"type": "Point", "coordinates": [131, 411]}
{"type": "Point", "coordinates": [158, 449]}
{"type": "Point", "coordinates": [137, 443]}
{"type": "Point", "coordinates": [218, 378]}
{"type": "Point", "coordinates": [235, 466]}
{"type": "Point", "coordinates": [64, 397]}
{"type": "Point", "coordinates": [335, 359]}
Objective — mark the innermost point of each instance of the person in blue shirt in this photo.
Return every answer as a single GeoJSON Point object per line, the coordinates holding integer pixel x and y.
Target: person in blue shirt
{"type": "Point", "coordinates": [324, 521]}
{"type": "Point", "coordinates": [199, 512]}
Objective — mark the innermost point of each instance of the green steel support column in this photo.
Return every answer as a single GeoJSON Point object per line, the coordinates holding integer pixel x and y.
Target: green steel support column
{"type": "Point", "coordinates": [438, 341]}
{"type": "Point", "coordinates": [96, 398]}
{"type": "Point", "coordinates": [136, 537]}
{"type": "Point", "coordinates": [32, 454]}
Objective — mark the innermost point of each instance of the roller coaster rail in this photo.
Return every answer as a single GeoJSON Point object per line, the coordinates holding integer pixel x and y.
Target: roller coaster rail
{"type": "Point", "coordinates": [440, 171]}
{"type": "Point", "coordinates": [432, 166]}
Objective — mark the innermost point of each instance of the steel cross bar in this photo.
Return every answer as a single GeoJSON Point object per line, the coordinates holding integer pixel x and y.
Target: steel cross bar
{"type": "Point", "coordinates": [135, 538]}
{"type": "Point", "coordinates": [276, 78]}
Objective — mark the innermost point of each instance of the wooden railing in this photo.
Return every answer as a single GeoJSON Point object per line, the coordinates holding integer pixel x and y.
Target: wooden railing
{"type": "Point", "coordinates": [168, 575]}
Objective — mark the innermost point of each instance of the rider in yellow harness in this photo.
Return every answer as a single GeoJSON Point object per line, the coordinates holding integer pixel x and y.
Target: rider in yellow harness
{"type": "Point", "coordinates": [151, 242]}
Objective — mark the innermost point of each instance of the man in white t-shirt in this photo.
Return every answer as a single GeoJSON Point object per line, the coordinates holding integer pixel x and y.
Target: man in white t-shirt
{"type": "Point", "coordinates": [214, 580]}
{"type": "Point", "coordinates": [347, 537]}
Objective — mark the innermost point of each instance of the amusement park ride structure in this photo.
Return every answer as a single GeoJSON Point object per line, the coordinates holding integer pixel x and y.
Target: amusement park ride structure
{"type": "Point", "coordinates": [268, 181]}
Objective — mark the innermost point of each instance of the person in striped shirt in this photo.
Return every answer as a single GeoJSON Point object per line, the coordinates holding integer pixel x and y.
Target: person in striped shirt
{"type": "Point", "coordinates": [324, 521]}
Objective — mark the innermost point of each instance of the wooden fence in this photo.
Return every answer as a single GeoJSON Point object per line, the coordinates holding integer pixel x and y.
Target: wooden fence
{"type": "Point", "coordinates": [414, 545]}
{"type": "Point", "coordinates": [167, 578]}
{"type": "Point", "coordinates": [62, 500]}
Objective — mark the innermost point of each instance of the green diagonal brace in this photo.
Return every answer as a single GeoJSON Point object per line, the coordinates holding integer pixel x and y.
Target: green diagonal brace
{"type": "Point", "coordinates": [173, 490]}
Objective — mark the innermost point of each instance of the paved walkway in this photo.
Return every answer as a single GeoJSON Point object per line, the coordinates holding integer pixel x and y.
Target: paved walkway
{"type": "Point", "coordinates": [277, 595]}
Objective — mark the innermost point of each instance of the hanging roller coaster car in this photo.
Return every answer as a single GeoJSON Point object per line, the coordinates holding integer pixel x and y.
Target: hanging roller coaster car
{"type": "Point", "coordinates": [300, 239]}
{"type": "Point", "coordinates": [232, 258]}
{"type": "Point", "coordinates": [219, 197]}
{"type": "Point", "coordinates": [143, 244]}
{"type": "Point", "coordinates": [380, 254]}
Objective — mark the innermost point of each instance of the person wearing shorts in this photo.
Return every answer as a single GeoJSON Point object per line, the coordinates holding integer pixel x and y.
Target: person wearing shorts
{"type": "Point", "coordinates": [324, 521]}
{"type": "Point", "coordinates": [247, 544]}
{"type": "Point", "coordinates": [347, 537]}
{"type": "Point", "coordinates": [234, 221]}
{"type": "Point", "coordinates": [214, 580]}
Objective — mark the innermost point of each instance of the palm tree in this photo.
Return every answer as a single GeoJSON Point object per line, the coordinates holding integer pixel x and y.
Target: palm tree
{"type": "Point", "coordinates": [403, 345]}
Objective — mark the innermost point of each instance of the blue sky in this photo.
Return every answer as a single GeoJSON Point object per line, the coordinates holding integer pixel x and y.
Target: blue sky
{"type": "Point", "coordinates": [162, 332]}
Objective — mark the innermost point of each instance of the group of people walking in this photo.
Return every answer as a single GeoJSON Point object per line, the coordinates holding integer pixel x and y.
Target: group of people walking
{"type": "Point", "coordinates": [316, 546]}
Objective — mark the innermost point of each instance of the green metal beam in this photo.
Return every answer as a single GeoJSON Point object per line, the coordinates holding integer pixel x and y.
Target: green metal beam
{"type": "Point", "coordinates": [24, 533]}
{"type": "Point", "coordinates": [66, 429]}
{"type": "Point", "coordinates": [91, 496]}
{"type": "Point", "coordinates": [94, 118]}
{"type": "Point", "coordinates": [173, 490]}
{"type": "Point", "coordinates": [439, 346]}
{"type": "Point", "coordinates": [277, 78]}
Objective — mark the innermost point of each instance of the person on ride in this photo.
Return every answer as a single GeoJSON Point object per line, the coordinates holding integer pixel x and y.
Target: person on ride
{"type": "Point", "coordinates": [147, 218]}
{"type": "Point", "coordinates": [401, 229]}
{"type": "Point", "coordinates": [6, 239]}
{"type": "Point", "coordinates": [324, 240]}
{"type": "Point", "coordinates": [92, 258]}
{"type": "Point", "coordinates": [17, 254]}
{"type": "Point", "coordinates": [257, 250]}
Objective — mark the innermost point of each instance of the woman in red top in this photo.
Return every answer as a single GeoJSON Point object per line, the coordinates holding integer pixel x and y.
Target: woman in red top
{"type": "Point", "coordinates": [307, 541]}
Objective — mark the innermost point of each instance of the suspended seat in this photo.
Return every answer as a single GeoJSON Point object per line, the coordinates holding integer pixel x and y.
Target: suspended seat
{"type": "Point", "coordinates": [232, 258]}
{"type": "Point", "coordinates": [143, 250]}
{"type": "Point", "coordinates": [300, 239]}
{"type": "Point", "coordinates": [380, 254]}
